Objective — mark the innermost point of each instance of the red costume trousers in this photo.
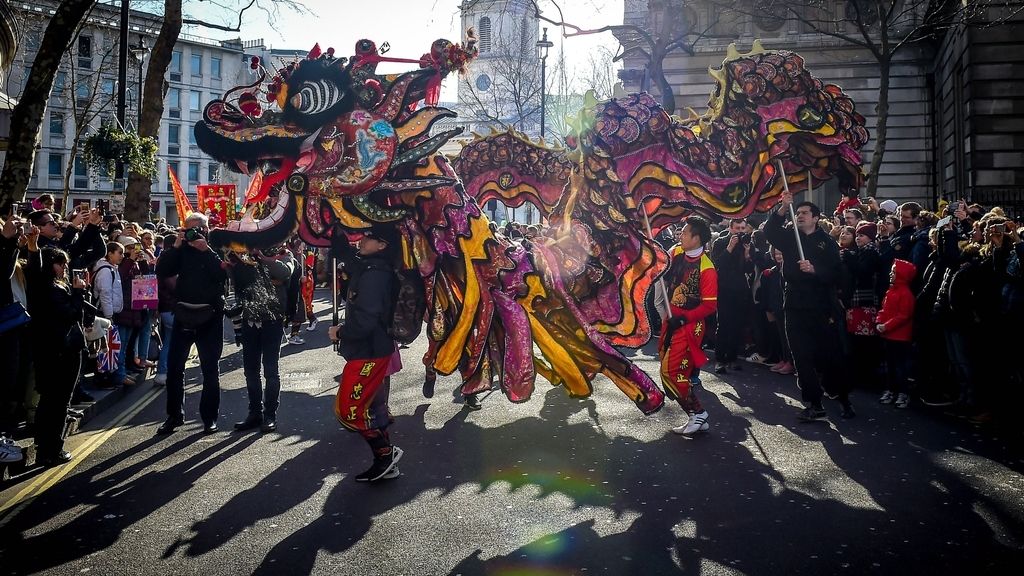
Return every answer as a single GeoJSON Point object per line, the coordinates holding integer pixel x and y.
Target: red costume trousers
{"type": "Point", "coordinates": [678, 361]}
{"type": "Point", "coordinates": [362, 400]}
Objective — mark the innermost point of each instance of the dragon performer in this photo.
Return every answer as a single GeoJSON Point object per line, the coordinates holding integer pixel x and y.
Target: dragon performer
{"type": "Point", "coordinates": [339, 149]}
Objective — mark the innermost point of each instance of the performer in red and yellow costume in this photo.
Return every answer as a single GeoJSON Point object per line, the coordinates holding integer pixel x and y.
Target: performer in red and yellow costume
{"type": "Point", "coordinates": [692, 285]}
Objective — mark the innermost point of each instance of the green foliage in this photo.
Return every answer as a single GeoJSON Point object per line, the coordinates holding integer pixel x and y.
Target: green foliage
{"type": "Point", "coordinates": [111, 144]}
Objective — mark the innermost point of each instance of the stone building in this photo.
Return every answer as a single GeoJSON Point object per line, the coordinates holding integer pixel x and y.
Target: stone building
{"type": "Point", "coordinates": [943, 142]}
{"type": "Point", "coordinates": [10, 36]}
{"type": "Point", "coordinates": [85, 91]}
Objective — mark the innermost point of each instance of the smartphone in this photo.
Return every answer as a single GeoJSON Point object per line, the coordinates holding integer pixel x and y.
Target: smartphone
{"type": "Point", "coordinates": [80, 274]}
{"type": "Point", "coordinates": [943, 222]}
{"type": "Point", "coordinates": [108, 218]}
{"type": "Point", "coordinates": [997, 228]}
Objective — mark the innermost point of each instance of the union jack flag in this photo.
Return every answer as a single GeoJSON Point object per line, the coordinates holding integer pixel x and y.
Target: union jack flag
{"type": "Point", "coordinates": [106, 360]}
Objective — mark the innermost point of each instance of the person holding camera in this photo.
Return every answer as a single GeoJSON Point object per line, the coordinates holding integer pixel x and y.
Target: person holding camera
{"type": "Point", "coordinates": [731, 255]}
{"type": "Point", "coordinates": [814, 316]}
{"type": "Point", "coordinates": [198, 319]}
{"type": "Point", "coordinates": [57, 307]}
{"type": "Point", "coordinates": [260, 285]}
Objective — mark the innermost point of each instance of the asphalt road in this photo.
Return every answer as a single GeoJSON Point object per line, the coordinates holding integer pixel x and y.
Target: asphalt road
{"type": "Point", "coordinates": [553, 486]}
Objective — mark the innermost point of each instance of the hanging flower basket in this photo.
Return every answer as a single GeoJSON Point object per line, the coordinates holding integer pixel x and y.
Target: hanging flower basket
{"type": "Point", "coordinates": [111, 144]}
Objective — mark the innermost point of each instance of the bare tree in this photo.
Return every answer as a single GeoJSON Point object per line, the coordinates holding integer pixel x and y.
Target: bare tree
{"type": "Point", "coordinates": [669, 28]}
{"type": "Point", "coordinates": [87, 105]}
{"type": "Point", "coordinates": [137, 196]}
{"type": "Point", "coordinates": [512, 97]}
{"type": "Point", "coordinates": [28, 114]}
{"type": "Point", "coordinates": [884, 28]}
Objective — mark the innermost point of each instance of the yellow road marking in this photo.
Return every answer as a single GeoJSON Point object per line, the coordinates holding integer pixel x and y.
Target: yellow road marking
{"type": "Point", "coordinates": [48, 479]}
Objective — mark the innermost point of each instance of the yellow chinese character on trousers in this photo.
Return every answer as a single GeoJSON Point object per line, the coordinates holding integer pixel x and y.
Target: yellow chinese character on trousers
{"type": "Point", "coordinates": [367, 368]}
{"type": "Point", "coordinates": [357, 391]}
{"type": "Point", "coordinates": [351, 414]}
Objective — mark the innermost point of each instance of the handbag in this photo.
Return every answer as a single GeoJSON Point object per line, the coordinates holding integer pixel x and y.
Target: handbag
{"type": "Point", "coordinates": [192, 316]}
{"type": "Point", "coordinates": [12, 316]}
{"type": "Point", "coordinates": [144, 292]}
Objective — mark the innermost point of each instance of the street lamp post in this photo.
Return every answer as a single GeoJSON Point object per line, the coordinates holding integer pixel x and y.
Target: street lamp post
{"type": "Point", "coordinates": [544, 45]}
{"type": "Point", "coordinates": [139, 51]}
{"type": "Point", "coordinates": [122, 81]}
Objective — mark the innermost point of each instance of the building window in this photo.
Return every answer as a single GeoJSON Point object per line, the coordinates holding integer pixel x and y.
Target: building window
{"type": "Point", "coordinates": [81, 173]}
{"type": "Point", "coordinates": [174, 102]}
{"type": "Point", "coordinates": [213, 173]}
{"type": "Point", "coordinates": [193, 173]}
{"type": "Point", "coordinates": [56, 124]}
{"type": "Point", "coordinates": [174, 139]}
{"type": "Point", "coordinates": [192, 138]}
{"type": "Point", "coordinates": [197, 65]}
{"type": "Point", "coordinates": [85, 52]}
{"type": "Point", "coordinates": [485, 34]}
{"type": "Point", "coordinates": [59, 83]}
{"type": "Point", "coordinates": [215, 67]}
{"type": "Point", "coordinates": [82, 94]}
{"type": "Point", "coordinates": [175, 67]}
{"type": "Point", "coordinates": [55, 166]}
{"type": "Point", "coordinates": [171, 167]}
{"type": "Point", "coordinates": [108, 86]}
{"type": "Point", "coordinates": [194, 97]}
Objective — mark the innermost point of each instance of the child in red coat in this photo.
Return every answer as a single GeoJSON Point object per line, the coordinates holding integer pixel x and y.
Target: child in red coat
{"type": "Point", "coordinates": [896, 327]}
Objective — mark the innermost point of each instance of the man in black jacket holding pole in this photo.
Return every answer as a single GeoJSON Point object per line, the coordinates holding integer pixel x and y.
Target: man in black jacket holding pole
{"type": "Point", "coordinates": [813, 313]}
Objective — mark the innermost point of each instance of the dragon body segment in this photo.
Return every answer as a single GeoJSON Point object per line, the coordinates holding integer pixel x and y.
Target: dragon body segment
{"type": "Point", "coordinates": [340, 148]}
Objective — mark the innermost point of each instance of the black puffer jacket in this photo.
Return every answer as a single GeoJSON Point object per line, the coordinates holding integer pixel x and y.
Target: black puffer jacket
{"type": "Point", "coordinates": [369, 309]}
{"type": "Point", "coordinates": [201, 279]}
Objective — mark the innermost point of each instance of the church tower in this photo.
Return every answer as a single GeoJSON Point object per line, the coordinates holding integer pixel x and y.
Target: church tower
{"type": "Point", "coordinates": [507, 69]}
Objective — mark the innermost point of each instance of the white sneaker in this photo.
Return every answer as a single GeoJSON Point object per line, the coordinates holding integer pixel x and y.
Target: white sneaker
{"type": "Point", "coordinates": [312, 325]}
{"type": "Point", "coordinates": [295, 339]}
{"type": "Point", "coordinates": [160, 380]}
{"type": "Point", "coordinates": [887, 397]}
{"type": "Point", "coordinates": [902, 401]}
{"type": "Point", "coordinates": [697, 423]}
{"type": "Point", "coordinates": [9, 451]}
{"type": "Point", "coordinates": [756, 358]}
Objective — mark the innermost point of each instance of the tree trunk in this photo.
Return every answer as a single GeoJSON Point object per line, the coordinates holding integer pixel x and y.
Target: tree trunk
{"type": "Point", "coordinates": [657, 72]}
{"type": "Point", "coordinates": [884, 69]}
{"type": "Point", "coordinates": [28, 114]}
{"type": "Point", "coordinates": [138, 194]}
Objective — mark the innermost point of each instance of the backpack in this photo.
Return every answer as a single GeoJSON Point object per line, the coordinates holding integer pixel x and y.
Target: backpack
{"type": "Point", "coordinates": [408, 304]}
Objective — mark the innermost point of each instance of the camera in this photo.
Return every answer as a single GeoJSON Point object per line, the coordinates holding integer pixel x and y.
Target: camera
{"type": "Point", "coordinates": [193, 234]}
{"type": "Point", "coordinates": [744, 238]}
{"type": "Point", "coordinates": [79, 274]}
{"type": "Point", "coordinates": [997, 228]}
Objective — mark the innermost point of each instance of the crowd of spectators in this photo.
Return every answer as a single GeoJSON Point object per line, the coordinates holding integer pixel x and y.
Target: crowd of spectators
{"type": "Point", "coordinates": [932, 302]}
{"type": "Point", "coordinates": [83, 310]}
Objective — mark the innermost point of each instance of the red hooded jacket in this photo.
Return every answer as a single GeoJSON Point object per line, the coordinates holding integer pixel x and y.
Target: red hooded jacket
{"type": "Point", "coordinates": [897, 313]}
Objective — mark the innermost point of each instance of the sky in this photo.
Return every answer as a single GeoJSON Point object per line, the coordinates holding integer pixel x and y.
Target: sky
{"type": "Point", "coordinates": [409, 26]}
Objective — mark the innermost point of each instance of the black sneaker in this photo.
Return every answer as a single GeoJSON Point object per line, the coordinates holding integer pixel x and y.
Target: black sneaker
{"type": "Point", "coordinates": [428, 386]}
{"type": "Point", "coordinates": [269, 424]}
{"type": "Point", "coordinates": [382, 467]}
{"type": "Point", "coordinates": [471, 402]}
{"type": "Point", "coordinates": [812, 414]}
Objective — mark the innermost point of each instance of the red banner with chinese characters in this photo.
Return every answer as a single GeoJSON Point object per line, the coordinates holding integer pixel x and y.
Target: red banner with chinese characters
{"type": "Point", "coordinates": [218, 201]}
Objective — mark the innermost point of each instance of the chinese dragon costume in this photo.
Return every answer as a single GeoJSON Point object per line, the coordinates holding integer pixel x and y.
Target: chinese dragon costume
{"type": "Point", "coordinates": [340, 148]}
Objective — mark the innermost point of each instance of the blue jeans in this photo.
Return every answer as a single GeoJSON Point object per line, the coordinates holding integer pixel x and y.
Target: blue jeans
{"type": "Point", "coordinates": [262, 345]}
{"type": "Point", "coordinates": [166, 327]}
{"type": "Point", "coordinates": [125, 332]}
{"type": "Point", "coordinates": [145, 335]}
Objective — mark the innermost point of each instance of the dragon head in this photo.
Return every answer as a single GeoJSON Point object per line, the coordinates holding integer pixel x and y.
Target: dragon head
{"type": "Point", "coordinates": [335, 145]}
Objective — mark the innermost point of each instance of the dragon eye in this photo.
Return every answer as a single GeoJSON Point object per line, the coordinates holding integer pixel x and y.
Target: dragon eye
{"type": "Point", "coordinates": [316, 97]}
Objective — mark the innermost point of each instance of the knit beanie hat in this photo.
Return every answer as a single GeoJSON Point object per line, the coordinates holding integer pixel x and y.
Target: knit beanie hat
{"type": "Point", "coordinates": [869, 229]}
